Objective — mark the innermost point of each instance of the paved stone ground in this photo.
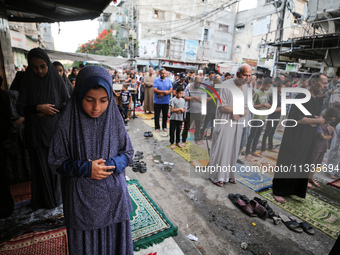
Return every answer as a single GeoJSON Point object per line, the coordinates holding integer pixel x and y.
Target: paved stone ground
{"type": "Point", "coordinates": [198, 207]}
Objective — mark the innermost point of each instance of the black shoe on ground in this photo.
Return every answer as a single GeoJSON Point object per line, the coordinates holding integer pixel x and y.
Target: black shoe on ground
{"type": "Point", "coordinates": [240, 161]}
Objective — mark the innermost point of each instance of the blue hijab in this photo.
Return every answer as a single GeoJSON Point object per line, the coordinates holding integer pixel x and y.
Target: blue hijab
{"type": "Point", "coordinates": [91, 204]}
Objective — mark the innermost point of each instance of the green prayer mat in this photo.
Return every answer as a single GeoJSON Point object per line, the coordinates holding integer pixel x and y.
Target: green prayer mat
{"type": "Point", "coordinates": [191, 152]}
{"type": "Point", "coordinates": [316, 212]}
{"type": "Point", "coordinates": [149, 225]}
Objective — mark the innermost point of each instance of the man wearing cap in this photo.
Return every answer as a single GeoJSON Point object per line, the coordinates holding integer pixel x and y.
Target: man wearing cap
{"type": "Point", "coordinates": [210, 80]}
{"type": "Point", "coordinates": [180, 82]}
{"type": "Point", "coordinates": [148, 91]}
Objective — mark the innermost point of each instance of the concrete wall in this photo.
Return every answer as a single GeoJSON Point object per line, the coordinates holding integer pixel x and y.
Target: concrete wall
{"type": "Point", "coordinates": [250, 42]}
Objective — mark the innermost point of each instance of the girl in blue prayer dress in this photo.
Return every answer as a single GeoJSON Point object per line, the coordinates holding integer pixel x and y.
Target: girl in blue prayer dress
{"type": "Point", "coordinates": [90, 150]}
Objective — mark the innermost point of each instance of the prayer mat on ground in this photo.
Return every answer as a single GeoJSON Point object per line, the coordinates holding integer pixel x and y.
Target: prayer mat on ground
{"type": "Point", "coordinates": [161, 136]}
{"type": "Point", "coordinates": [149, 225]}
{"type": "Point", "coordinates": [335, 183]}
{"type": "Point", "coordinates": [316, 212]}
{"type": "Point", "coordinates": [21, 191]}
{"type": "Point", "coordinates": [261, 162]}
{"type": "Point", "coordinates": [11, 228]}
{"type": "Point", "coordinates": [252, 178]}
{"type": "Point", "coordinates": [192, 152]}
{"type": "Point", "coordinates": [200, 162]}
{"type": "Point", "coordinates": [144, 116]}
{"type": "Point", "coordinates": [52, 242]}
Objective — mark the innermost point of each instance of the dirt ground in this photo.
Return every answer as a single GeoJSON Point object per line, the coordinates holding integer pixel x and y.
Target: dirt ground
{"type": "Point", "coordinates": [198, 207]}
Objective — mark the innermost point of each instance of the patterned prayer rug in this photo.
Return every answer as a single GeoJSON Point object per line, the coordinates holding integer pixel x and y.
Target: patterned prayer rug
{"type": "Point", "coordinates": [316, 212]}
{"type": "Point", "coordinates": [161, 136]}
{"type": "Point", "coordinates": [149, 224]}
{"type": "Point", "coordinates": [143, 115]}
{"type": "Point", "coordinates": [192, 152]}
{"type": "Point", "coordinates": [52, 242]}
{"type": "Point", "coordinates": [261, 161]}
{"type": "Point", "coordinates": [253, 179]}
{"type": "Point", "coordinates": [21, 191]}
{"type": "Point", "coordinates": [335, 183]}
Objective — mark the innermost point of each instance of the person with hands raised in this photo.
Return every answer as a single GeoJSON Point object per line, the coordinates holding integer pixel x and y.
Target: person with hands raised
{"type": "Point", "coordinates": [90, 151]}
{"type": "Point", "coordinates": [298, 143]}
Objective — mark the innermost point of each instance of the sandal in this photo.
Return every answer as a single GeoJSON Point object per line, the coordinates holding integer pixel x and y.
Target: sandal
{"type": "Point", "coordinates": [219, 184]}
{"type": "Point", "coordinates": [304, 225]}
{"type": "Point", "coordinates": [173, 146]}
{"type": "Point", "coordinates": [135, 166]}
{"type": "Point", "coordinates": [240, 203]}
{"type": "Point", "coordinates": [139, 155]}
{"type": "Point", "coordinates": [142, 167]}
{"type": "Point", "coordinates": [233, 181]}
{"type": "Point", "coordinates": [264, 203]}
{"type": "Point", "coordinates": [259, 209]}
{"type": "Point", "coordinates": [291, 224]}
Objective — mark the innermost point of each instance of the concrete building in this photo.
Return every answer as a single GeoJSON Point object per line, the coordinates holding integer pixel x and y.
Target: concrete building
{"type": "Point", "coordinates": [257, 25]}
{"type": "Point", "coordinates": [25, 36]}
{"type": "Point", "coordinates": [175, 33]}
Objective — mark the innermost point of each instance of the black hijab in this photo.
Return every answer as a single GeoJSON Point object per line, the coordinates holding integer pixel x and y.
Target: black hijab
{"type": "Point", "coordinates": [65, 79]}
{"type": "Point", "coordinates": [36, 90]}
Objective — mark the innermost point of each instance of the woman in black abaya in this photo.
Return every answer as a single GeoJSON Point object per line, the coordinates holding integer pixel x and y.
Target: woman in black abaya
{"type": "Point", "coordinates": [42, 97]}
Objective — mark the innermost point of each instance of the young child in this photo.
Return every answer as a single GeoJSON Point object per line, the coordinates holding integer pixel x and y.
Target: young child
{"type": "Point", "coordinates": [177, 105]}
{"type": "Point", "coordinates": [325, 134]}
{"type": "Point", "coordinates": [260, 100]}
{"type": "Point", "coordinates": [126, 100]}
{"type": "Point", "coordinates": [73, 82]}
{"type": "Point", "coordinates": [90, 149]}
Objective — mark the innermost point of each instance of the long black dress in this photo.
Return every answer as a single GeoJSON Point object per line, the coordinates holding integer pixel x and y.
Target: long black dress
{"type": "Point", "coordinates": [296, 150]}
{"type": "Point", "coordinates": [50, 89]}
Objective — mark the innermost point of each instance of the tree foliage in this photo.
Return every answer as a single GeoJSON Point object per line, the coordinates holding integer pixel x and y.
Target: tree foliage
{"type": "Point", "coordinates": [107, 43]}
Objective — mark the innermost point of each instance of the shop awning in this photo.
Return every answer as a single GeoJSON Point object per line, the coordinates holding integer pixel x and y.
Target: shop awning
{"type": "Point", "coordinates": [112, 62]}
{"type": "Point", "coordinates": [52, 10]}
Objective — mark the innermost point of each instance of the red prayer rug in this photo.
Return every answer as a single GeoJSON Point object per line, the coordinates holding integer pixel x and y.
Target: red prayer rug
{"type": "Point", "coordinates": [335, 183]}
{"type": "Point", "coordinates": [21, 191]}
{"type": "Point", "coordinates": [52, 242]}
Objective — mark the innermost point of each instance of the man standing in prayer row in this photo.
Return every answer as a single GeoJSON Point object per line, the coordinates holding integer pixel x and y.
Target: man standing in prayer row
{"type": "Point", "coordinates": [227, 138]}
{"type": "Point", "coordinates": [162, 87]}
{"type": "Point", "coordinates": [298, 143]}
{"type": "Point", "coordinates": [148, 91]}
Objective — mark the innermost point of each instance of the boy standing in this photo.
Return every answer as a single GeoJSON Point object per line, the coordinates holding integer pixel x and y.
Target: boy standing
{"type": "Point", "coordinates": [177, 105]}
{"type": "Point", "coordinates": [126, 100]}
{"type": "Point", "coordinates": [260, 100]}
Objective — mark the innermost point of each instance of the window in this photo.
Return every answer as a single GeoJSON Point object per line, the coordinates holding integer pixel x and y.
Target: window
{"type": "Point", "coordinates": [223, 28]}
{"type": "Point", "coordinates": [221, 47]}
{"type": "Point", "coordinates": [158, 14]}
{"type": "Point", "coordinates": [239, 28]}
{"type": "Point", "coordinates": [207, 23]}
{"type": "Point", "coordinates": [237, 48]}
{"type": "Point", "coordinates": [206, 35]}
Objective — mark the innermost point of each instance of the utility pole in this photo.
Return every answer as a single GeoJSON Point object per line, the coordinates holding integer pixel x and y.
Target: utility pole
{"type": "Point", "coordinates": [280, 37]}
{"type": "Point", "coordinates": [203, 29]}
{"type": "Point", "coordinates": [131, 29]}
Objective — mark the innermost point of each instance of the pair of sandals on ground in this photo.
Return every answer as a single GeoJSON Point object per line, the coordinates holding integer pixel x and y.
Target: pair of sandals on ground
{"type": "Point", "coordinates": [139, 166]}
{"type": "Point", "coordinates": [259, 208]}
